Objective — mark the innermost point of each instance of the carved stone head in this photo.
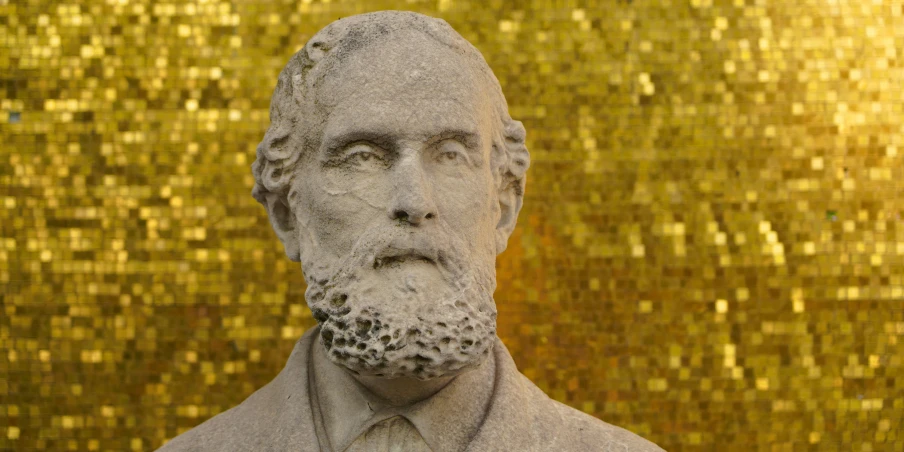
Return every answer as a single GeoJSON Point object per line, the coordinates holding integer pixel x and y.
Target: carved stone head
{"type": "Point", "coordinates": [393, 172]}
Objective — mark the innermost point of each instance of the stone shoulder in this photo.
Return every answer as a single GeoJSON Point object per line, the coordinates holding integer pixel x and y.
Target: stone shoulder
{"type": "Point", "coordinates": [234, 429]}
{"type": "Point", "coordinates": [207, 436]}
{"type": "Point", "coordinates": [581, 431]}
{"type": "Point", "coordinates": [270, 419]}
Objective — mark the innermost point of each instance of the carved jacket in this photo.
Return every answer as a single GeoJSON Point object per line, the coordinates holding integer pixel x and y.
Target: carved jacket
{"type": "Point", "coordinates": [520, 417]}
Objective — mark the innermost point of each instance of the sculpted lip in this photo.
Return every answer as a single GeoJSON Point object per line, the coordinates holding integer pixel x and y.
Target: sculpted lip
{"type": "Point", "coordinates": [392, 255]}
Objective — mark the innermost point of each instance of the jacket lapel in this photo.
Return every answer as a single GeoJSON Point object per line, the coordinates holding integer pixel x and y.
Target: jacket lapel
{"type": "Point", "coordinates": [293, 429]}
{"type": "Point", "coordinates": [520, 416]}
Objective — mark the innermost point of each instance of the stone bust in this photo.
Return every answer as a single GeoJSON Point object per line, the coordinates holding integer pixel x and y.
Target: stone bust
{"type": "Point", "coordinates": [394, 174]}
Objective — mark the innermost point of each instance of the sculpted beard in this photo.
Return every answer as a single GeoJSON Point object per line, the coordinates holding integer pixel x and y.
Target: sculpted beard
{"type": "Point", "coordinates": [384, 312]}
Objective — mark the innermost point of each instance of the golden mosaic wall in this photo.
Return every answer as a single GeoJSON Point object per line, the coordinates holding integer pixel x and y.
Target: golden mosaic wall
{"type": "Point", "coordinates": [711, 251]}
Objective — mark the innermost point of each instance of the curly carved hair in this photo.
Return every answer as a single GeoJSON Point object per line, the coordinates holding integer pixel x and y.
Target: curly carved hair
{"type": "Point", "coordinates": [295, 121]}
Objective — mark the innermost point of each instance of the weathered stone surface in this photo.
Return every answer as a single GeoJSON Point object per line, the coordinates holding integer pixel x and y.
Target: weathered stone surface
{"type": "Point", "coordinates": [394, 174]}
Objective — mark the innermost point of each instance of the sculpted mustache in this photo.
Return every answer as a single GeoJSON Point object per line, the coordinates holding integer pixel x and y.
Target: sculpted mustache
{"type": "Point", "coordinates": [379, 245]}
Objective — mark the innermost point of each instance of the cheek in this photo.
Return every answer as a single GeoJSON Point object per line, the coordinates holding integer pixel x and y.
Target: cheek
{"type": "Point", "coordinates": [354, 193]}
{"type": "Point", "coordinates": [468, 203]}
{"type": "Point", "coordinates": [335, 212]}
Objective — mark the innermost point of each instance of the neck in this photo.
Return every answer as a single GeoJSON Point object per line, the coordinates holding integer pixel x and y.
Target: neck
{"type": "Point", "coordinates": [402, 391]}
{"type": "Point", "coordinates": [399, 392]}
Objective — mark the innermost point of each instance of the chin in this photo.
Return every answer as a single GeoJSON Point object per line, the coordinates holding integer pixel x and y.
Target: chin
{"type": "Point", "coordinates": [414, 367]}
{"type": "Point", "coordinates": [405, 321]}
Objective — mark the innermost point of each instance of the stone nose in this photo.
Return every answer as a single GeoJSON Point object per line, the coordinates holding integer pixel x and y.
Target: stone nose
{"type": "Point", "coordinates": [412, 200]}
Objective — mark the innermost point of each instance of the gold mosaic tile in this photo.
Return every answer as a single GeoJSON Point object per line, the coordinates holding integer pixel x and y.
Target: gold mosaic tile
{"type": "Point", "coordinates": [710, 252]}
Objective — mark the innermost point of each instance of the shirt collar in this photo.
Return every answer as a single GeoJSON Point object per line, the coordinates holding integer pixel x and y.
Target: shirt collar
{"type": "Point", "coordinates": [448, 420]}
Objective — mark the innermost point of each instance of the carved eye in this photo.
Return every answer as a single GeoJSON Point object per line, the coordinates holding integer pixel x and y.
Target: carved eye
{"type": "Point", "coordinates": [451, 151]}
{"type": "Point", "coordinates": [363, 155]}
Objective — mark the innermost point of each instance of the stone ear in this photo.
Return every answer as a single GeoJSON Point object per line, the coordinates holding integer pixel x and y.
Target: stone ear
{"type": "Point", "coordinates": [510, 200]}
{"type": "Point", "coordinates": [283, 221]}
{"type": "Point", "coordinates": [514, 174]}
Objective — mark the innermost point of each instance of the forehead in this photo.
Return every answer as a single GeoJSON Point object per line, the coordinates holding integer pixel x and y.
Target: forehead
{"type": "Point", "coordinates": [408, 84]}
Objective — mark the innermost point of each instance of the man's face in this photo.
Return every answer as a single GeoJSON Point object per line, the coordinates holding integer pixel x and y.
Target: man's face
{"type": "Point", "coordinates": [397, 211]}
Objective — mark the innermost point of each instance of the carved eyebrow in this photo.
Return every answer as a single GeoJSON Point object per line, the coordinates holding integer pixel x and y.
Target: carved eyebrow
{"type": "Point", "coordinates": [470, 139]}
{"type": "Point", "coordinates": [335, 144]}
